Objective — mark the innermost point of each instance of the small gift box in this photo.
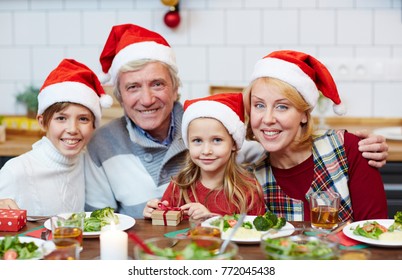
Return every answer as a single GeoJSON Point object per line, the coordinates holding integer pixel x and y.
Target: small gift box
{"type": "Point", "coordinates": [167, 216]}
{"type": "Point", "coordinates": [12, 220]}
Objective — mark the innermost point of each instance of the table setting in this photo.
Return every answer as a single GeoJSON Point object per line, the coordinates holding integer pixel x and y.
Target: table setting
{"type": "Point", "coordinates": [116, 241]}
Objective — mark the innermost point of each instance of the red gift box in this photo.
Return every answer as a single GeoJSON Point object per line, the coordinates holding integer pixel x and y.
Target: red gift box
{"type": "Point", "coordinates": [12, 220]}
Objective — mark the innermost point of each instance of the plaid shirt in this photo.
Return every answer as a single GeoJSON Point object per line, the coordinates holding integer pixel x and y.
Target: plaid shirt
{"type": "Point", "coordinates": [330, 173]}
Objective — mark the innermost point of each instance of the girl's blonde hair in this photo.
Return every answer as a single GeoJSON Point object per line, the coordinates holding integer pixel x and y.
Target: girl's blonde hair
{"type": "Point", "coordinates": [238, 184]}
{"type": "Point", "coordinates": [290, 93]}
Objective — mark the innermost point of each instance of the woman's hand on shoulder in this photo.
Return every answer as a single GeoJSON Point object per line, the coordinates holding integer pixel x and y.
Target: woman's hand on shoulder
{"type": "Point", "coordinates": [151, 206]}
{"type": "Point", "coordinates": [373, 147]}
{"type": "Point", "coordinates": [8, 203]}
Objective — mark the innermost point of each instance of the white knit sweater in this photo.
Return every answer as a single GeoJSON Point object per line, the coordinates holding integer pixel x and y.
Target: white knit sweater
{"type": "Point", "coordinates": [43, 181]}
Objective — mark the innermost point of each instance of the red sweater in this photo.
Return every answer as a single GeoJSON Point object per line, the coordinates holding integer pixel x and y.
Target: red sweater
{"type": "Point", "coordinates": [214, 200]}
{"type": "Point", "coordinates": [366, 188]}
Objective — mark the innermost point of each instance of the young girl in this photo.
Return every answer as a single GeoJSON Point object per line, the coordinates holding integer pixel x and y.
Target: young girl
{"type": "Point", "coordinates": [49, 179]}
{"type": "Point", "coordinates": [211, 181]}
{"type": "Point", "coordinates": [284, 90]}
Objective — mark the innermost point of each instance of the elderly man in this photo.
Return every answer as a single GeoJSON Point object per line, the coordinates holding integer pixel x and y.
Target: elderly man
{"type": "Point", "coordinates": [132, 159]}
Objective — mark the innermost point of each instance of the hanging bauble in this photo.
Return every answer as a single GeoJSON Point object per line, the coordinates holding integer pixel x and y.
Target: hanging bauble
{"type": "Point", "coordinates": [170, 2]}
{"type": "Point", "coordinates": [172, 19]}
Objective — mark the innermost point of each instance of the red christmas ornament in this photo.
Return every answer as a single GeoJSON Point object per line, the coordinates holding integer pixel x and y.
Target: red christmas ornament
{"type": "Point", "coordinates": [172, 19]}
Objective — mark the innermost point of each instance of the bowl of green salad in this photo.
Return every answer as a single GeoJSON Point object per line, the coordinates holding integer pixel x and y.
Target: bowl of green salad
{"type": "Point", "coordinates": [187, 248]}
{"type": "Point", "coordinates": [299, 247]}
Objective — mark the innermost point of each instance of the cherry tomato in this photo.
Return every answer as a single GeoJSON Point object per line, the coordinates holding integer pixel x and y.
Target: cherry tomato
{"type": "Point", "coordinates": [232, 223]}
{"type": "Point", "coordinates": [10, 254]}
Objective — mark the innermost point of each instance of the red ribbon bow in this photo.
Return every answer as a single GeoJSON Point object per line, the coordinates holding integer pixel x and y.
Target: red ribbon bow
{"type": "Point", "coordinates": [166, 209]}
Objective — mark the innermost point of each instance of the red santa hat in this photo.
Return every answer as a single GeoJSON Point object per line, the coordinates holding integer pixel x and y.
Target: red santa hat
{"type": "Point", "coordinates": [128, 42]}
{"type": "Point", "coordinates": [72, 81]}
{"type": "Point", "coordinates": [227, 108]}
{"type": "Point", "coordinates": [303, 72]}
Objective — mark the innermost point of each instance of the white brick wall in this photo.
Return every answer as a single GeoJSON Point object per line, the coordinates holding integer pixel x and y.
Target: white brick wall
{"type": "Point", "coordinates": [217, 42]}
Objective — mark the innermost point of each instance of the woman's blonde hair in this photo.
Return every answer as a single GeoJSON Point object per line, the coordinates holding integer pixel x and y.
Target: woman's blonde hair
{"type": "Point", "coordinates": [239, 185]}
{"type": "Point", "coordinates": [290, 93]}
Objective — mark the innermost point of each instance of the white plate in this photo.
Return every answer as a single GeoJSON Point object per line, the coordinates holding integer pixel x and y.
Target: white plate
{"type": "Point", "coordinates": [348, 231]}
{"type": "Point", "coordinates": [125, 222]}
{"type": "Point", "coordinates": [288, 229]}
{"type": "Point", "coordinates": [37, 241]}
{"type": "Point", "coordinates": [391, 133]}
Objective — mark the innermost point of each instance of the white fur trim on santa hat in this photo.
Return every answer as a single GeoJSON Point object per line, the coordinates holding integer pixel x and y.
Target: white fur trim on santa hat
{"type": "Point", "coordinates": [289, 73]}
{"type": "Point", "coordinates": [339, 109]}
{"type": "Point", "coordinates": [70, 92]}
{"type": "Point", "coordinates": [142, 50]}
{"type": "Point", "coordinates": [106, 101]}
{"type": "Point", "coordinates": [216, 110]}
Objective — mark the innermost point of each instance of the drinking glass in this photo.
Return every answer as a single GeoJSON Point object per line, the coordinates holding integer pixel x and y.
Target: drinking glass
{"type": "Point", "coordinates": [324, 209]}
{"type": "Point", "coordinates": [67, 228]}
{"type": "Point", "coordinates": [69, 251]}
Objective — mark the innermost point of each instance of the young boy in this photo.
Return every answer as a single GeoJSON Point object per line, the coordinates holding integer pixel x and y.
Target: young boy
{"type": "Point", "coordinates": [49, 179]}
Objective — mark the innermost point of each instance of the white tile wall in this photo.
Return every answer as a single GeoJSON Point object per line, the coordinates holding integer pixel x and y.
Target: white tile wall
{"type": "Point", "coordinates": [65, 28]}
{"type": "Point", "coordinates": [317, 27]}
{"type": "Point", "coordinates": [30, 28]}
{"type": "Point", "coordinates": [287, 33]}
{"type": "Point", "coordinates": [388, 27]}
{"type": "Point", "coordinates": [354, 32]}
{"type": "Point", "coordinates": [207, 27]}
{"type": "Point", "coordinates": [6, 30]}
{"type": "Point", "coordinates": [216, 43]}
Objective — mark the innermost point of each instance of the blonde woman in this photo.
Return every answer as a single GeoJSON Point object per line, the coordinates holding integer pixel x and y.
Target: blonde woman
{"type": "Point", "coordinates": [283, 92]}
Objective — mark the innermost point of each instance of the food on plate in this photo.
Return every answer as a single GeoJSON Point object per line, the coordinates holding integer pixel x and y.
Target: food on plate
{"type": "Point", "coordinates": [98, 219]}
{"type": "Point", "coordinates": [299, 247]}
{"type": "Point", "coordinates": [370, 229]}
{"type": "Point", "coordinates": [391, 236]}
{"type": "Point", "coordinates": [267, 221]}
{"type": "Point", "coordinates": [374, 230]}
{"type": "Point", "coordinates": [12, 248]}
{"type": "Point", "coordinates": [249, 229]}
{"type": "Point", "coordinates": [243, 233]}
{"type": "Point", "coordinates": [397, 225]}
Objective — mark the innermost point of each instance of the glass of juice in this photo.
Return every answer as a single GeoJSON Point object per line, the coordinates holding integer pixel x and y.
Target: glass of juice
{"type": "Point", "coordinates": [71, 227]}
{"type": "Point", "coordinates": [69, 251]}
{"type": "Point", "coordinates": [324, 210]}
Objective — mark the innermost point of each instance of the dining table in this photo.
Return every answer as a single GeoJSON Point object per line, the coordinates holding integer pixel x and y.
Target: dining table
{"type": "Point", "coordinates": [144, 229]}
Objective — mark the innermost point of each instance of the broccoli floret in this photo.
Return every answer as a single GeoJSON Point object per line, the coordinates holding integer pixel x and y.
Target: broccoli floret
{"type": "Point", "coordinates": [397, 225]}
{"type": "Point", "coordinates": [247, 225]}
{"type": "Point", "coordinates": [271, 216]}
{"type": "Point", "coordinates": [281, 222]}
{"type": "Point", "coordinates": [106, 216]}
{"type": "Point", "coordinates": [262, 224]}
{"type": "Point", "coordinates": [92, 224]}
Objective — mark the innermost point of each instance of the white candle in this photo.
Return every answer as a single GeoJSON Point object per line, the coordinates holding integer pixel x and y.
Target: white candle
{"type": "Point", "coordinates": [113, 244]}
